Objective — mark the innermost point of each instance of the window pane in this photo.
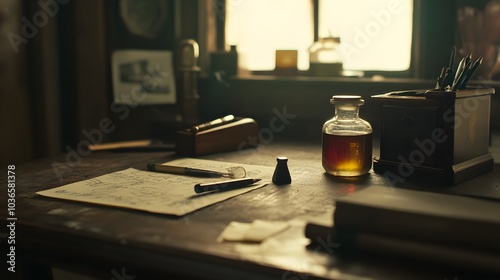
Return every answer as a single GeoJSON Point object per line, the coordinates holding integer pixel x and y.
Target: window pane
{"type": "Point", "coordinates": [377, 36]}
{"type": "Point", "coordinates": [259, 27]}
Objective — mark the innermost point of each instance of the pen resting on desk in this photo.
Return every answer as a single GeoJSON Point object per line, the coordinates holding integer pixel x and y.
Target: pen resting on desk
{"type": "Point", "coordinates": [235, 135]}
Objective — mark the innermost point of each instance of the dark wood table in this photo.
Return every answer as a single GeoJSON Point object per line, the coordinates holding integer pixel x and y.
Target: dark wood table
{"type": "Point", "coordinates": [105, 241]}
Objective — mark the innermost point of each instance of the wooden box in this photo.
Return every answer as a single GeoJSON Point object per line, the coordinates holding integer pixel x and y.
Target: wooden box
{"type": "Point", "coordinates": [236, 135]}
{"type": "Point", "coordinates": [434, 136]}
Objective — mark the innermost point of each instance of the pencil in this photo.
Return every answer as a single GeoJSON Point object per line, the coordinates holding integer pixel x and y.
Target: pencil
{"type": "Point", "coordinates": [452, 58]}
{"type": "Point", "coordinates": [181, 170]}
{"type": "Point", "coordinates": [471, 72]}
{"type": "Point", "coordinates": [212, 124]}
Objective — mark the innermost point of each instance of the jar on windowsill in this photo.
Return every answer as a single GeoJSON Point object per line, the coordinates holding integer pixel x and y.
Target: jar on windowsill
{"type": "Point", "coordinates": [325, 58]}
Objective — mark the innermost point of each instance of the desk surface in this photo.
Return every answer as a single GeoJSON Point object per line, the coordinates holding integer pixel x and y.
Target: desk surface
{"type": "Point", "coordinates": [71, 234]}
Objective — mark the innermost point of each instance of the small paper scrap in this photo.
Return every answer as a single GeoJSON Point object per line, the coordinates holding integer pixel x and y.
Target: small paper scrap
{"type": "Point", "coordinates": [257, 231]}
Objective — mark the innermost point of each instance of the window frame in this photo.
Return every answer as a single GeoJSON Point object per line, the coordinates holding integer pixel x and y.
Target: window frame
{"type": "Point", "coordinates": [432, 22]}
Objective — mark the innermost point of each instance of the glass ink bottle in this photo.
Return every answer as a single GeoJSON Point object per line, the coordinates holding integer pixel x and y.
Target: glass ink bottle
{"type": "Point", "coordinates": [347, 139]}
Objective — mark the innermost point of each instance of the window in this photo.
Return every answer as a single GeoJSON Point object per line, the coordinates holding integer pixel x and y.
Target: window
{"type": "Point", "coordinates": [259, 27]}
{"type": "Point", "coordinates": [377, 37]}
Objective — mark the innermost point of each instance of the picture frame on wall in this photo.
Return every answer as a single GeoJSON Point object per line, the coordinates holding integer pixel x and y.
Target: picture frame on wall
{"type": "Point", "coordinates": [143, 77]}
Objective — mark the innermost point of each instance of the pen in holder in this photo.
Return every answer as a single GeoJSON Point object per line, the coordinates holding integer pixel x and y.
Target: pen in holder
{"type": "Point", "coordinates": [453, 80]}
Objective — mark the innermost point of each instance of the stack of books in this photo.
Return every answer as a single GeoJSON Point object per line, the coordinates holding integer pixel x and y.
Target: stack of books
{"type": "Point", "coordinates": [445, 229]}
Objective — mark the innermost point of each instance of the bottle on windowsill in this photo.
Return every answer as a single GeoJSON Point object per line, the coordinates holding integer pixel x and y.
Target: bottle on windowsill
{"type": "Point", "coordinates": [325, 58]}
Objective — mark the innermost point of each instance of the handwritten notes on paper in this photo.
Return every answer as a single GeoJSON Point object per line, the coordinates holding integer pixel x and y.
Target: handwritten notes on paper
{"type": "Point", "coordinates": [156, 192]}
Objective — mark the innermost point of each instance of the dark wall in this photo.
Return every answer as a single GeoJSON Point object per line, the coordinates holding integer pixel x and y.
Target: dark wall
{"type": "Point", "coordinates": [307, 99]}
{"type": "Point", "coordinates": [15, 118]}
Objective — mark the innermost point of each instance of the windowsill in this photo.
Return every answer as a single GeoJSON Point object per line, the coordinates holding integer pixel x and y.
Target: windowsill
{"type": "Point", "coordinates": [339, 83]}
{"type": "Point", "coordinates": [307, 78]}
{"type": "Point", "coordinates": [303, 77]}
{"type": "Point", "coordinates": [343, 74]}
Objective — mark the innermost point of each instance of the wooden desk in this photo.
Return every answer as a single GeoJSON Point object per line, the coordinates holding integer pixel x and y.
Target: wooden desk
{"type": "Point", "coordinates": [100, 241]}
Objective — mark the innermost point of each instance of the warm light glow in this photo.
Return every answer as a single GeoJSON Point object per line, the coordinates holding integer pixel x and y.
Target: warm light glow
{"type": "Point", "coordinates": [260, 27]}
{"type": "Point", "coordinates": [375, 34]}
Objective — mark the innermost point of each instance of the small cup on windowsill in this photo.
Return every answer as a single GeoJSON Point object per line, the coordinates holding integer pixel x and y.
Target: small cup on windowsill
{"type": "Point", "coordinates": [286, 63]}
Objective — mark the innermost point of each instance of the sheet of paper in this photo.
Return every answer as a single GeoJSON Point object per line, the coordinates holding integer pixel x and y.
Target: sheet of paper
{"type": "Point", "coordinates": [234, 231]}
{"type": "Point", "coordinates": [157, 192]}
{"type": "Point", "coordinates": [257, 231]}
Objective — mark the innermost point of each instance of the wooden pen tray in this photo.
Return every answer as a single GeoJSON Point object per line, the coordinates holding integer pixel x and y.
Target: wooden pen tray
{"type": "Point", "coordinates": [236, 135]}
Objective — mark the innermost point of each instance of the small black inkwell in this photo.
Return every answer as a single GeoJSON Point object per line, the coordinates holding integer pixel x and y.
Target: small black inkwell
{"type": "Point", "coordinates": [281, 174]}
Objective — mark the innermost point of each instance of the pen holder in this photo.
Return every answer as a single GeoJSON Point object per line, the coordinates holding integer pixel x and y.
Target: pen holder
{"type": "Point", "coordinates": [434, 136]}
{"type": "Point", "coordinates": [236, 135]}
